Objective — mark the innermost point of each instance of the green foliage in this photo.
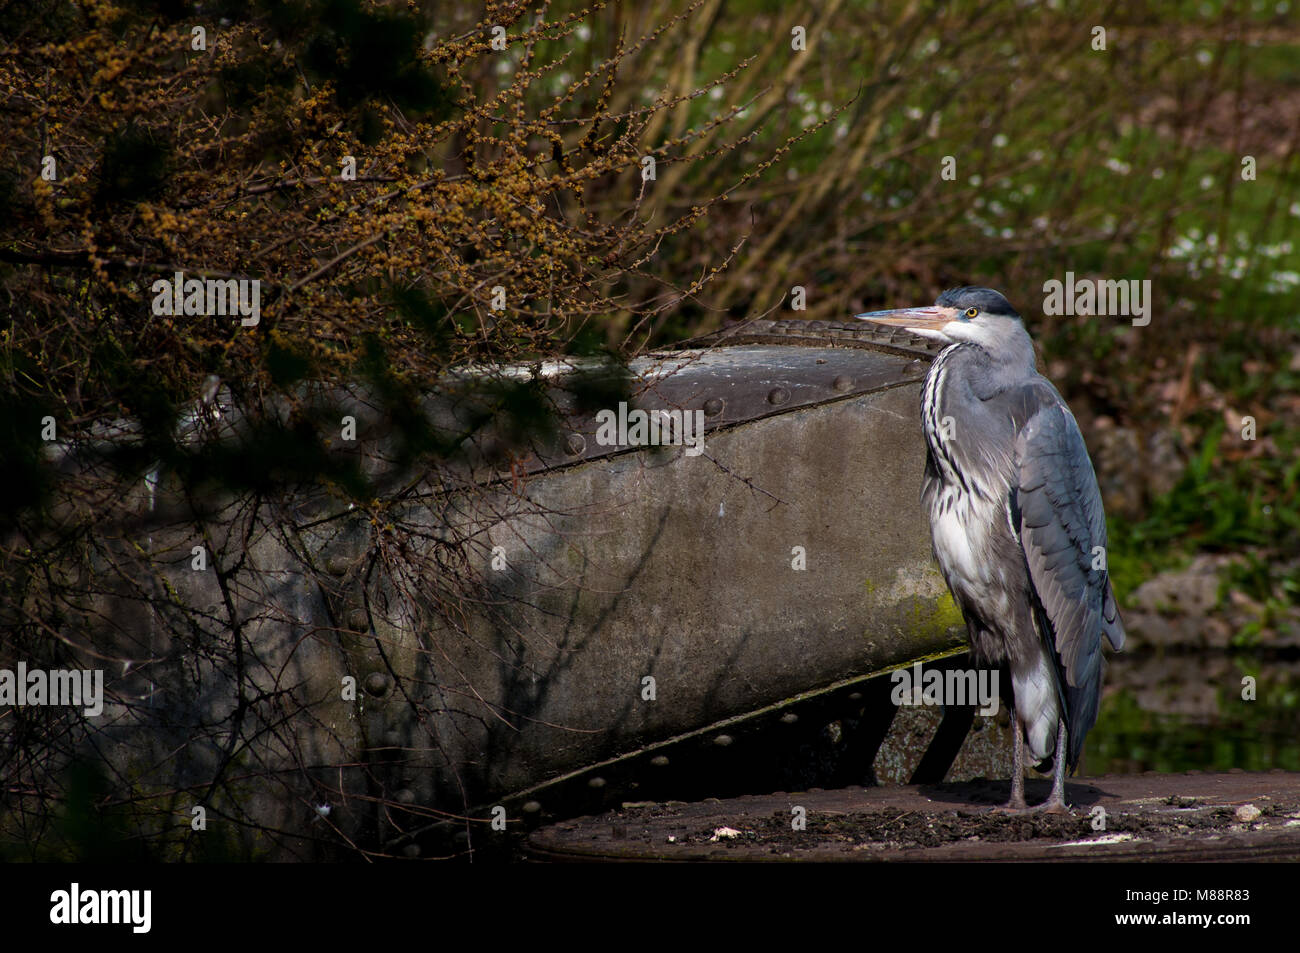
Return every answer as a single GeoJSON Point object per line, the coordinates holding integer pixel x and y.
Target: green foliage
{"type": "Point", "coordinates": [371, 52]}
{"type": "Point", "coordinates": [523, 410]}
{"type": "Point", "coordinates": [271, 456]}
{"type": "Point", "coordinates": [1216, 506]}
{"type": "Point", "coordinates": [285, 365]}
{"type": "Point", "coordinates": [431, 318]}
{"type": "Point", "coordinates": [599, 384]}
{"type": "Point", "coordinates": [26, 478]}
{"type": "Point", "coordinates": [135, 165]}
{"type": "Point", "coordinates": [247, 81]}
{"type": "Point", "coordinates": [86, 828]}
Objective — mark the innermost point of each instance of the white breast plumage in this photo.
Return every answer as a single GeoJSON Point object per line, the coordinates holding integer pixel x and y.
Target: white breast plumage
{"type": "Point", "coordinates": [959, 524]}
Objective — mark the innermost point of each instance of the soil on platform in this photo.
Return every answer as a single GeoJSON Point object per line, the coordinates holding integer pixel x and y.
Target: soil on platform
{"type": "Point", "coordinates": [1231, 816]}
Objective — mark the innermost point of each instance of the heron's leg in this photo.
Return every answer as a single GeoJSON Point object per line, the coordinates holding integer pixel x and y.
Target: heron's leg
{"type": "Point", "coordinates": [1017, 802]}
{"type": "Point", "coordinates": [1055, 803]}
{"type": "Point", "coordinates": [1017, 763]}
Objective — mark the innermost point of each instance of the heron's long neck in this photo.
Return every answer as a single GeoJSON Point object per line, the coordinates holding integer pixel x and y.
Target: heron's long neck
{"type": "Point", "coordinates": [932, 416]}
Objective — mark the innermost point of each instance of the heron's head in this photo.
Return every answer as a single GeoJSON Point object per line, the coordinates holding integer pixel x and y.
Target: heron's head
{"type": "Point", "coordinates": [972, 315]}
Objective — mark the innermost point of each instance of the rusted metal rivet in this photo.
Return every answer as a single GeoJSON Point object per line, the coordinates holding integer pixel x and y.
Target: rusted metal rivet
{"type": "Point", "coordinates": [722, 740]}
{"type": "Point", "coordinates": [659, 761]}
{"type": "Point", "coordinates": [575, 443]}
{"type": "Point", "coordinates": [377, 684]}
{"type": "Point", "coordinates": [789, 718]}
{"type": "Point", "coordinates": [842, 383]}
{"type": "Point", "coordinates": [532, 807]}
{"type": "Point", "coordinates": [596, 783]}
{"type": "Point", "coordinates": [778, 396]}
{"type": "Point", "coordinates": [713, 406]}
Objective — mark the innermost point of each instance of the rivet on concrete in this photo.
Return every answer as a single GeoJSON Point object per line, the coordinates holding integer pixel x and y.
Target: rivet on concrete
{"type": "Point", "coordinates": [377, 684]}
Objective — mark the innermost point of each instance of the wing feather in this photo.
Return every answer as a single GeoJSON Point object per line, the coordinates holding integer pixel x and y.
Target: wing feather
{"type": "Point", "coordinates": [1063, 532]}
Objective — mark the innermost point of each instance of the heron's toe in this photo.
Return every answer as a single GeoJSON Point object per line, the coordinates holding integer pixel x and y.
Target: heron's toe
{"type": "Point", "coordinates": [1011, 807]}
{"type": "Point", "coordinates": [1049, 807]}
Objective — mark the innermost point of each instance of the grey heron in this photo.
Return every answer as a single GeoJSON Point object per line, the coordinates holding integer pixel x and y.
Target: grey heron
{"type": "Point", "coordinates": [1016, 525]}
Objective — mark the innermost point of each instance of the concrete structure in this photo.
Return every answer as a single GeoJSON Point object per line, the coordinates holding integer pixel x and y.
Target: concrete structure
{"type": "Point", "coordinates": [535, 626]}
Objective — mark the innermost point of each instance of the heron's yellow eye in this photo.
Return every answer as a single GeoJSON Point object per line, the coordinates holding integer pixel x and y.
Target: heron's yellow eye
{"type": "Point", "coordinates": [971, 312]}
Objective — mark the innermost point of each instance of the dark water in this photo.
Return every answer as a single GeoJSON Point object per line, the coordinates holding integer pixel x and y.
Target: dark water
{"type": "Point", "coordinates": [1172, 712]}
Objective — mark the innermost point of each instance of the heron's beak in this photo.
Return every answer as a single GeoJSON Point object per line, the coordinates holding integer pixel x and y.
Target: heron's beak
{"type": "Point", "coordinates": [933, 318]}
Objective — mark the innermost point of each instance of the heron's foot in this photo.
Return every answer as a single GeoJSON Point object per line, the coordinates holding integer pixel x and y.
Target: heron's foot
{"type": "Point", "coordinates": [1018, 806]}
{"type": "Point", "coordinates": [1011, 807]}
{"type": "Point", "coordinates": [1049, 806]}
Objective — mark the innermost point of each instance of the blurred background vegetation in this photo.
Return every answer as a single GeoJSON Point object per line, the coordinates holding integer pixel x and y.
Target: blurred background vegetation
{"type": "Point", "coordinates": [520, 168]}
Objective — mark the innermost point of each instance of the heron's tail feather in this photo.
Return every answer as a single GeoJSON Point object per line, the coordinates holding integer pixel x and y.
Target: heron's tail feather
{"type": "Point", "coordinates": [1037, 706]}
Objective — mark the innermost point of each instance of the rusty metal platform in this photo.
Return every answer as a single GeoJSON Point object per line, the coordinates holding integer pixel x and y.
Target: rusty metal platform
{"type": "Point", "coordinates": [1148, 817]}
